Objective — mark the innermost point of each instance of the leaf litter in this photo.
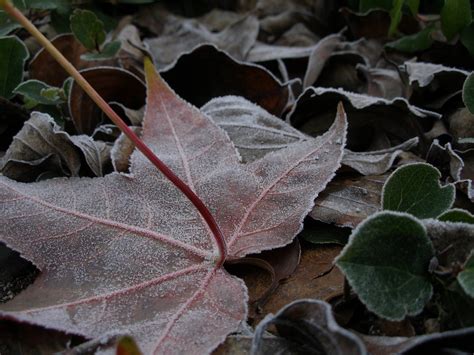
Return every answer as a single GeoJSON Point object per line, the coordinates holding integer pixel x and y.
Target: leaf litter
{"type": "Point", "coordinates": [286, 66]}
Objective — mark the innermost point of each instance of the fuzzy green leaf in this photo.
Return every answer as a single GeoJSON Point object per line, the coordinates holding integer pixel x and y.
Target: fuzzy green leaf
{"type": "Point", "coordinates": [109, 51]}
{"type": "Point", "coordinates": [386, 262]}
{"type": "Point", "coordinates": [457, 215]}
{"type": "Point", "coordinates": [39, 92]}
{"type": "Point", "coordinates": [415, 189]}
{"type": "Point", "coordinates": [456, 15]}
{"type": "Point", "coordinates": [7, 25]}
{"type": "Point", "coordinates": [13, 54]}
{"type": "Point", "coordinates": [468, 93]}
{"type": "Point", "coordinates": [414, 43]}
{"type": "Point", "coordinates": [466, 277]}
{"type": "Point", "coordinates": [87, 28]}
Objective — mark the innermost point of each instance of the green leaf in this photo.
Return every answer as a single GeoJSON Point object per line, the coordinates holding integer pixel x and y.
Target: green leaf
{"type": "Point", "coordinates": [39, 92]}
{"type": "Point", "coordinates": [7, 25]}
{"type": "Point", "coordinates": [413, 5]}
{"type": "Point", "coordinates": [58, 5]}
{"type": "Point", "coordinates": [456, 15]}
{"type": "Point", "coordinates": [13, 55]}
{"type": "Point", "coordinates": [457, 215]}
{"type": "Point", "coordinates": [467, 38]}
{"type": "Point", "coordinates": [466, 277]}
{"type": "Point", "coordinates": [396, 16]}
{"type": "Point", "coordinates": [109, 51]}
{"type": "Point", "coordinates": [386, 262]}
{"type": "Point", "coordinates": [468, 93]}
{"type": "Point", "coordinates": [414, 43]}
{"type": "Point", "coordinates": [415, 189]}
{"type": "Point", "coordinates": [87, 28]}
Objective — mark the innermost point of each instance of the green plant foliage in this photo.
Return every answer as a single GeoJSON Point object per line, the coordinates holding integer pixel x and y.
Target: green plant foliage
{"type": "Point", "coordinates": [415, 189]}
{"type": "Point", "coordinates": [468, 93]}
{"type": "Point", "coordinates": [58, 5]}
{"type": "Point", "coordinates": [457, 215]}
{"type": "Point", "coordinates": [36, 92]}
{"type": "Point", "coordinates": [87, 28]}
{"type": "Point", "coordinates": [386, 262]}
{"type": "Point", "coordinates": [7, 25]}
{"type": "Point", "coordinates": [109, 51]}
{"type": "Point", "coordinates": [466, 277]}
{"type": "Point", "coordinates": [396, 16]}
{"type": "Point", "coordinates": [414, 43]}
{"type": "Point", "coordinates": [13, 55]}
{"type": "Point", "coordinates": [455, 15]}
{"type": "Point", "coordinates": [467, 38]}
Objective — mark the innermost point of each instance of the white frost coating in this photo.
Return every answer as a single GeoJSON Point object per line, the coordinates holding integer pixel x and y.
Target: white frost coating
{"type": "Point", "coordinates": [361, 101]}
{"type": "Point", "coordinates": [424, 73]}
{"type": "Point", "coordinates": [131, 253]}
{"type": "Point", "coordinates": [254, 131]}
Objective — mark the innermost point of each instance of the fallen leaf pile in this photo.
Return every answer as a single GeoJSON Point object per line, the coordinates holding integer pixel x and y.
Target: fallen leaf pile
{"type": "Point", "coordinates": [334, 150]}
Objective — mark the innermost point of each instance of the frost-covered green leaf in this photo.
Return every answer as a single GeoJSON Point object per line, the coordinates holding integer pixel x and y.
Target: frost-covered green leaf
{"type": "Point", "coordinates": [109, 51]}
{"type": "Point", "coordinates": [386, 262]}
{"type": "Point", "coordinates": [415, 42]}
{"type": "Point", "coordinates": [87, 28]}
{"type": "Point", "coordinates": [456, 15]}
{"type": "Point", "coordinates": [468, 93]}
{"type": "Point", "coordinates": [7, 25]}
{"type": "Point", "coordinates": [415, 189]}
{"type": "Point", "coordinates": [466, 277]}
{"type": "Point", "coordinates": [457, 215]}
{"type": "Point", "coordinates": [13, 54]}
{"type": "Point", "coordinates": [39, 92]}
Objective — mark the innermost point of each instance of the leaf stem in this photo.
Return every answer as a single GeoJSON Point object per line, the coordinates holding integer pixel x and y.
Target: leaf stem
{"type": "Point", "coordinates": [94, 95]}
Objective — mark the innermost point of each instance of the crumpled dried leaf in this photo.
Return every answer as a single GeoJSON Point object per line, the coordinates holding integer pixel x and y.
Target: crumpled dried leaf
{"type": "Point", "coordinates": [16, 338]}
{"type": "Point", "coordinates": [347, 201]}
{"type": "Point", "coordinates": [241, 344]}
{"type": "Point", "coordinates": [382, 82]}
{"type": "Point", "coordinates": [113, 84]}
{"type": "Point", "coordinates": [122, 151]}
{"type": "Point", "coordinates": [12, 117]}
{"type": "Point", "coordinates": [457, 164]}
{"type": "Point", "coordinates": [461, 125]}
{"type": "Point", "coordinates": [236, 39]}
{"type": "Point", "coordinates": [450, 342]}
{"type": "Point", "coordinates": [136, 243]}
{"type": "Point", "coordinates": [263, 52]}
{"type": "Point", "coordinates": [321, 53]}
{"type": "Point", "coordinates": [279, 263]}
{"type": "Point", "coordinates": [374, 123]}
{"type": "Point", "coordinates": [453, 241]}
{"type": "Point", "coordinates": [254, 131]}
{"type": "Point", "coordinates": [311, 324]}
{"type": "Point", "coordinates": [42, 142]}
{"type": "Point", "coordinates": [433, 84]}
{"type": "Point", "coordinates": [376, 162]}
{"type": "Point", "coordinates": [216, 74]}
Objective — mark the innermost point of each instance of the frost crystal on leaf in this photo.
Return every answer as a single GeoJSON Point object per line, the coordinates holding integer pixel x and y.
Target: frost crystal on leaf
{"type": "Point", "coordinates": [130, 253]}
